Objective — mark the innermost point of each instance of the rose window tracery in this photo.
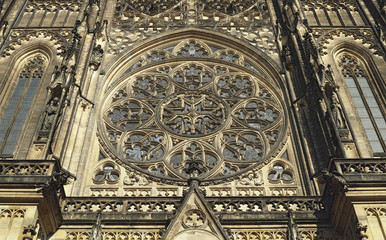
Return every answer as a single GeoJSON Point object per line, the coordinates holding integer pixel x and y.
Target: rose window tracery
{"type": "Point", "coordinates": [192, 118]}
{"type": "Point", "coordinates": [192, 114]}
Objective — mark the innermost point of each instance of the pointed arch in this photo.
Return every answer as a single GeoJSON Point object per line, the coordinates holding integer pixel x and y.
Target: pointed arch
{"type": "Point", "coordinates": [23, 93]}
{"type": "Point", "coordinates": [369, 103]}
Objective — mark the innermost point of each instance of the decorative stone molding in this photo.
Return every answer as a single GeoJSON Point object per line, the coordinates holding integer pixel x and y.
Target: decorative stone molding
{"type": "Point", "coordinates": [267, 205]}
{"type": "Point", "coordinates": [30, 168]}
{"type": "Point", "coordinates": [363, 36]}
{"type": "Point", "coordinates": [58, 38]}
{"type": "Point", "coordinates": [144, 205]}
{"type": "Point", "coordinates": [54, 5]}
{"type": "Point", "coordinates": [304, 234]}
{"type": "Point", "coordinates": [356, 167]}
{"type": "Point", "coordinates": [12, 212]}
{"type": "Point", "coordinates": [378, 212]}
{"type": "Point", "coordinates": [117, 235]}
{"type": "Point", "coordinates": [247, 20]}
{"type": "Point", "coordinates": [257, 234]}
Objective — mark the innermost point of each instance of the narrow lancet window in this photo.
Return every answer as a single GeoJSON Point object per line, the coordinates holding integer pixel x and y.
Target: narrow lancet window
{"type": "Point", "coordinates": [19, 104]}
{"type": "Point", "coordinates": [368, 109]}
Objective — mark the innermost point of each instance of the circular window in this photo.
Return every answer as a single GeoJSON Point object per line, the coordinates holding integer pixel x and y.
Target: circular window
{"type": "Point", "coordinates": [181, 119]}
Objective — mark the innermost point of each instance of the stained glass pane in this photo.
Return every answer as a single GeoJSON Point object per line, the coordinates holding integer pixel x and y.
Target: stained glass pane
{"type": "Point", "coordinates": [9, 112]}
{"type": "Point", "coordinates": [21, 116]}
{"type": "Point", "coordinates": [364, 113]}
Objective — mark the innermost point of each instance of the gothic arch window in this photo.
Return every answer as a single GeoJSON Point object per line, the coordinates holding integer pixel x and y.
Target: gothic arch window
{"type": "Point", "coordinates": [192, 109]}
{"type": "Point", "coordinates": [19, 103]}
{"type": "Point", "coordinates": [370, 110]}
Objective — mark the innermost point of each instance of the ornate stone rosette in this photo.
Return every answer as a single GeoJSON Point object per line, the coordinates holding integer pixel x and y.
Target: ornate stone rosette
{"type": "Point", "coordinates": [192, 118]}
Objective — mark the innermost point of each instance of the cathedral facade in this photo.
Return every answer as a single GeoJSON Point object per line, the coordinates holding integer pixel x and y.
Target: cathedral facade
{"type": "Point", "coordinates": [189, 119]}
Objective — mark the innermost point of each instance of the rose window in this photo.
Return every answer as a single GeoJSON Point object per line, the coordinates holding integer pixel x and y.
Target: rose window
{"type": "Point", "coordinates": [192, 114]}
{"type": "Point", "coordinates": [184, 119]}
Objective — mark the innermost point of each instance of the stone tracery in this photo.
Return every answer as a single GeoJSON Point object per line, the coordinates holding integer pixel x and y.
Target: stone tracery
{"type": "Point", "coordinates": [184, 117]}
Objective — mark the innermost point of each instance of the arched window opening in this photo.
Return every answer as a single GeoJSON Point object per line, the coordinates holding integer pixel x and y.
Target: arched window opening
{"type": "Point", "coordinates": [362, 94]}
{"type": "Point", "coordinates": [19, 104]}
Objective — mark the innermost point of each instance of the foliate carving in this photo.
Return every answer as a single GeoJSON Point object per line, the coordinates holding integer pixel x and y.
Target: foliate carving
{"type": "Point", "coordinates": [58, 38]}
{"type": "Point", "coordinates": [363, 36]}
{"type": "Point", "coordinates": [246, 20]}
{"type": "Point", "coordinates": [12, 213]}
{"type": "Point", "coordinates": [194, 218]}
{"type": "Point", "coordinates": [164, 120]}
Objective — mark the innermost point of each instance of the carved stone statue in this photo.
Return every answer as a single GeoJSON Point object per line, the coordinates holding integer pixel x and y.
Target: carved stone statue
{"type": "Point", "coordinates": [96, 57]}
{"type": "Point", "coordinates": [50, 113]}
{"type": "Point", "coordinates": [252, 179]}
{"type": "Point", "coordinates": [134, 179]}
{"type": "Point", "coordinates": [337, 112]}
{"type": "Point", "coordinates": [96, 231]}
{"type": "Point", "coordinates": [293, 232]}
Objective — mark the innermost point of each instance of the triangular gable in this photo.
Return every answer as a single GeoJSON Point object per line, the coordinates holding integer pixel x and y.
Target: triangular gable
{"type": "Point", "coordinates": [195, 219]}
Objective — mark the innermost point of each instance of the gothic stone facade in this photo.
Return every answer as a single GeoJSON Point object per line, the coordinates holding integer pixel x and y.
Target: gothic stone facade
{"type": "Point", "coordinates": [188, 119]}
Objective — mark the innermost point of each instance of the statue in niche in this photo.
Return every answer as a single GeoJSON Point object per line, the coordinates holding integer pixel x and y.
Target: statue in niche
{"type": "Point", "coordinates": [134, 179]}
{"type": "Point", "coordinates": [252, 179]}
{"type": "Point", "coordinates": [96, 57]}
{"type": "Point", "coordinates": [337, 112]}
{"type": "Point", "coordinates": [51, 110]}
